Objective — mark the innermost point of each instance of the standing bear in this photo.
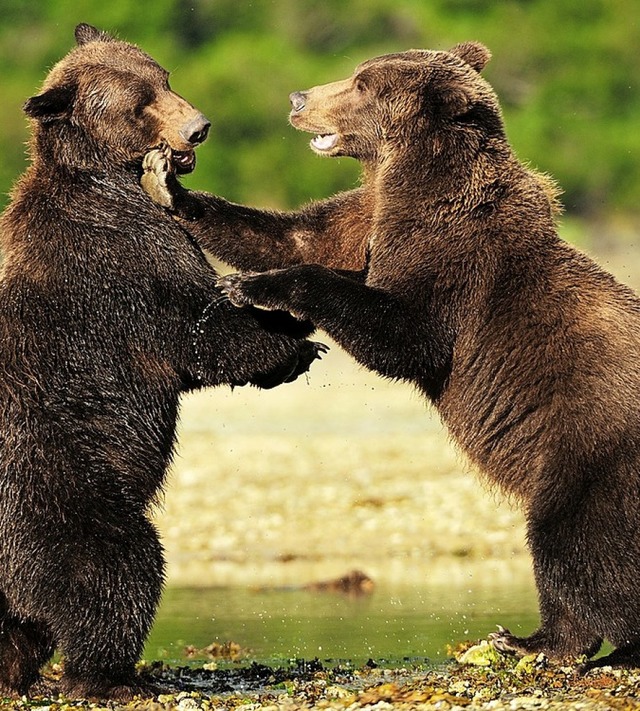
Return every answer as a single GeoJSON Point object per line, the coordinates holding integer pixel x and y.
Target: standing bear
{"type": "Point", "coordinates": [108, 312]}
{"type": "Point", "coordinates": [445, 270]}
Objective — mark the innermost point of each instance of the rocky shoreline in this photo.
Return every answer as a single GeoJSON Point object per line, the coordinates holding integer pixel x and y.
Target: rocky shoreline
{"type": "Point", "coordinates": [486, 682]}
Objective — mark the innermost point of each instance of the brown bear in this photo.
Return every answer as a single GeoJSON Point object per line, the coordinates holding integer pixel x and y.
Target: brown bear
{"type": "Point", "coordinates": [461, 285]}
{"type": "Point", "coordinates": [108, 312]}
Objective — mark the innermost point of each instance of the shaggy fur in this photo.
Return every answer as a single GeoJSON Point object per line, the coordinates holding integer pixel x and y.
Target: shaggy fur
{"type": "Point", "coordinates": [108, 312]}
{"type": "Point", "coordinates": [461, 285]}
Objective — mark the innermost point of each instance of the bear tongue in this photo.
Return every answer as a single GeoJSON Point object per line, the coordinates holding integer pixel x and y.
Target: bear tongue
{"type": "Point", "coordinates": [325, 142]}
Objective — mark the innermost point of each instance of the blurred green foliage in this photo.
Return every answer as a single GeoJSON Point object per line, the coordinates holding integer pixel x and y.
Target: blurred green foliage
{"type": "Point", "coordinates": [568, 75]}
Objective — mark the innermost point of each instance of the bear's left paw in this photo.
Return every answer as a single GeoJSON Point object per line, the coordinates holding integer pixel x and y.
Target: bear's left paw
{"type": "Point", "coordinates": [310, 351]}
{"type": "Point", "coordinates": [505, 642]}
{"type": "Point", "coordinates": [98, 691]}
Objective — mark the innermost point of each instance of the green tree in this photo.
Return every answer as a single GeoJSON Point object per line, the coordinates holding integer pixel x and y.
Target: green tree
{"type": "Point", "coordinates": [568, 75]}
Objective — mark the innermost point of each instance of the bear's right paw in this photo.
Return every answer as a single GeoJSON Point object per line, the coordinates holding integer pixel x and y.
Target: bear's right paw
{"type": "Point", "coordinates": [157, 172]}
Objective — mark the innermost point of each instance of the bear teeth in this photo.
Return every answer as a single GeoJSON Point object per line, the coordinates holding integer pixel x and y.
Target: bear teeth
{"type": "Point", "coordinates": [184, 161]}
{"type": "Point", "coordinates": [325, 142]}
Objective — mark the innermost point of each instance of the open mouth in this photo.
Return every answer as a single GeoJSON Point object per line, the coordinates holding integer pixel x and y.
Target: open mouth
{"type": "Point", "coordinates": [324, 142]}
{"type": "Point", "coordinates": [183, 161]}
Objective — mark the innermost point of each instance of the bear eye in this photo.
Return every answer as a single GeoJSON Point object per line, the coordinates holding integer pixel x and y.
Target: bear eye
{"type": "Point", "coordinates": [144, 97]}
{"type": "Point", "coordinates": [361, 85]}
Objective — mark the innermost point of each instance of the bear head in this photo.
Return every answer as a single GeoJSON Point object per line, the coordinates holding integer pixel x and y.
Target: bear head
{"type": "Point", "coordinates": [399, 99]}
{"type": "Point", "coordinates": [108, 103]}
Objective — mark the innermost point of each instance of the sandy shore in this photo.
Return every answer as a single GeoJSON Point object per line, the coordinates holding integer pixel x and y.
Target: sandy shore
{"type": "Point", "coordinates": [336, 471]}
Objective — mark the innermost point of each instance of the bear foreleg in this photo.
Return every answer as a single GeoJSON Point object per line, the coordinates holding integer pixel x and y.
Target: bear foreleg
{"type": "Point", "coordinates": [380, 330]}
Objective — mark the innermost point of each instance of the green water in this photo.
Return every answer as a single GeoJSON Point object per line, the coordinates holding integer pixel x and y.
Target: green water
{"type": "Point", "coordinates": [390, 625]}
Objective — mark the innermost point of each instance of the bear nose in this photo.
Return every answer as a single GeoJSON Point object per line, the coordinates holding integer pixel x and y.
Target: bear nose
{"type": "Point", "coordinates": [196, 130]}
{"type": "Point", "coordinates": [298, 100]}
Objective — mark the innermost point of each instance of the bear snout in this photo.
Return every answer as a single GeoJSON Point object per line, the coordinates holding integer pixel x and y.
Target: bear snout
{"type": "Point", "coordinates": [298, 100]}
{"type": "Point", "coordinates": [196, 130]}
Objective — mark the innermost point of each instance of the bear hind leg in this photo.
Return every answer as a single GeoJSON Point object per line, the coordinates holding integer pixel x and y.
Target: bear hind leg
{"type": "Point", "coordinates": [556, 530]}
{"type": "Point", "coordinates": [25, 645]}
{"type": "Point", "coordinates": [103, 625]}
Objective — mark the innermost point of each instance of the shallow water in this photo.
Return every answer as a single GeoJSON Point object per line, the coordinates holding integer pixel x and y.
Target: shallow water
{"type": "Point", "coordinates": [390, 624]}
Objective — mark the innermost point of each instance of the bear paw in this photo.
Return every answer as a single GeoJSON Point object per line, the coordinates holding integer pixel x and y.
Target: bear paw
{"type": "Point", "coordinates": [157, 170]}
{"type": "Point", "coordinates": [505, 642]}
{"type": "Point", "coordinates": [100, 691]}
{"type": "Point", "coordinates": [232, 286]}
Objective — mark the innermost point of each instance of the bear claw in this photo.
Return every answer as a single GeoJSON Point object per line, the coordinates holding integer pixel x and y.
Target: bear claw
{"type": "Point", "coordinates": [231, 287]}
{"type": "Point", "coordinates": [156, 167]}
{"type": "Point", "coordinates": [503, 641]}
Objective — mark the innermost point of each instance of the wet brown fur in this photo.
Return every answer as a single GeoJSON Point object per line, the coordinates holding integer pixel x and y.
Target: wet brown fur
{"type": "Point", "coordinates": [108, 312]}
{"type": "Point", "coordinates": [528, 350]}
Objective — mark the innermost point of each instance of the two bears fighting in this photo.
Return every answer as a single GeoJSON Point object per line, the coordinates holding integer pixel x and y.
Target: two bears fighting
{"type": "Point", "coordinates": [444, 269]}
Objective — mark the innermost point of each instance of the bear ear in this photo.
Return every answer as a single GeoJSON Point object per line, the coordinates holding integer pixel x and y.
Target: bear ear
{"type": "Point", "coordinates": [87, 33]}
{"type": "Point", "coordinates": [51, 104]}
{"type": "Point", "coordinates": [476, 55]}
